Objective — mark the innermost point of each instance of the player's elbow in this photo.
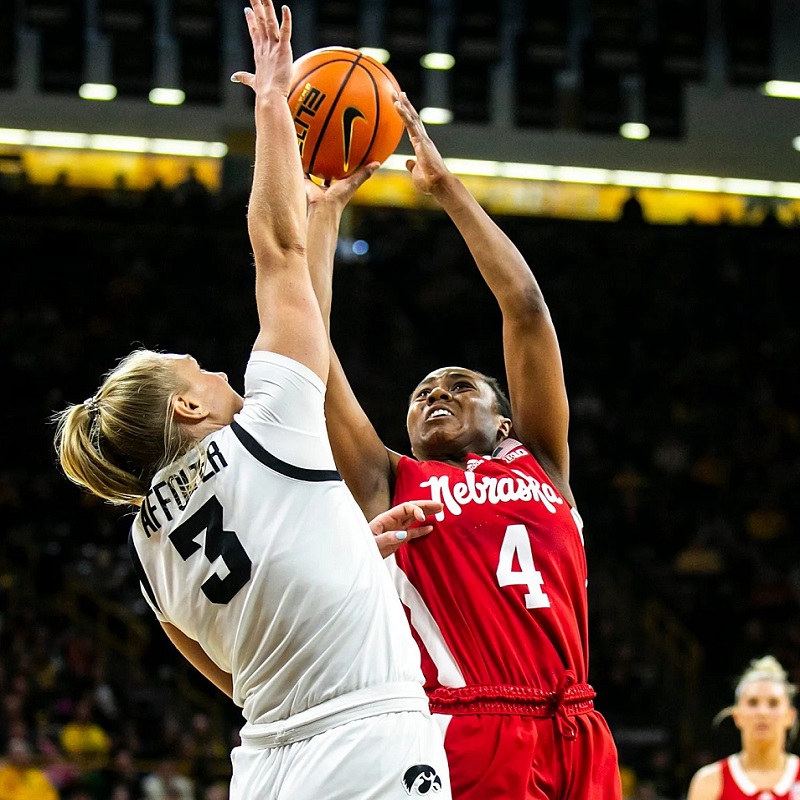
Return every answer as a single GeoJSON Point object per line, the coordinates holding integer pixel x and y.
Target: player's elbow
{"type": "Point", "coordinates": [526, 305]}
{"type": "Point", "coordinates": [277, 241]}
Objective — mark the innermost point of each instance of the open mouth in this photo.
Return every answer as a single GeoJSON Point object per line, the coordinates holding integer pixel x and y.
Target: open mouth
{"type": "Point", "coordinates": [438, 413]}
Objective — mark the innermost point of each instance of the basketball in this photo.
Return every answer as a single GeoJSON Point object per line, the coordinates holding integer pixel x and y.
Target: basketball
{"type": "Point", "coordinates": [343, 108]}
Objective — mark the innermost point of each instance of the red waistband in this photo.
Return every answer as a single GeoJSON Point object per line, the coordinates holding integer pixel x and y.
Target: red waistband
{"type": "Point", "coordinates": [576, 699]}
{"type": "Point", "coordinates": [569, 700]}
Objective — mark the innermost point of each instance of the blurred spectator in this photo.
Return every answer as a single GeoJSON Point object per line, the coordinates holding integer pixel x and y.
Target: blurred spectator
{"type": "Point", "coordinates": [20, 779]}
{"type": "Point", "coordinates": [167, 783]}
{"type": "Point", "coordinates": [83, 740]}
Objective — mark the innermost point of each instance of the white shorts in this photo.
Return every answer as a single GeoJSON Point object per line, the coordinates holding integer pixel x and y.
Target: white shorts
{"type": "Point", "coordinates": [393, 756]}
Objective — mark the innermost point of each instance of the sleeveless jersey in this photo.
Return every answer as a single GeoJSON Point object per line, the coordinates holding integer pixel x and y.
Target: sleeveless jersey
{"type": "Point", "coordinates": [270, 564]}
{"type": "Point", "coordinates": [496, 593]}
{"type": "Point", "coordinates": [737, 786]}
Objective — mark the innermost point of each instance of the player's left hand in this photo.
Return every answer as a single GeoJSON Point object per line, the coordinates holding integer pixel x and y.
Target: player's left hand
{"type": "Point", "coordinates": [428, 168]}
{"type": "Point", "coordinates": [401, 524]}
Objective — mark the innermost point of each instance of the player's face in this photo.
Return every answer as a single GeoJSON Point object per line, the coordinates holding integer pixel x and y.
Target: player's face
{"type": "Point", "coordinates": [453, 411]}
{"type": "Point", "coordinates": [210, 390]}
{"type": "Point", "coordinates": [763, 711]}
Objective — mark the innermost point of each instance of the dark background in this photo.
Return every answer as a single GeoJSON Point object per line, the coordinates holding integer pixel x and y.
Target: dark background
{"type": "Point", "coordinates": [680, 343]}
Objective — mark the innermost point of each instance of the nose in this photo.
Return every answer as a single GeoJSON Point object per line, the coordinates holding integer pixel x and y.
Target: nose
{"type": "Point", "coordinates": [223, 376]}
{"type": "Point", "coordinates": [438, 393]}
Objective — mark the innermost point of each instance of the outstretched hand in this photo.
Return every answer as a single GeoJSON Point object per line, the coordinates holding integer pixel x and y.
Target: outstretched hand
{"type": "Point", "coordinates": [339, 192]}
{"type": "Point", "coordinates": [401, 523]}
{"type": "Point", "coordinates": [272, 49]}
{"type": "Point", "coordinates": [428, 169]}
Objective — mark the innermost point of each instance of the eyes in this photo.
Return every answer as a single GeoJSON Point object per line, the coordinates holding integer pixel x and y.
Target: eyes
{"type": "Point", "coordinates": [754, 702]}
{"type": "Point", "coordinates": [457, 386]}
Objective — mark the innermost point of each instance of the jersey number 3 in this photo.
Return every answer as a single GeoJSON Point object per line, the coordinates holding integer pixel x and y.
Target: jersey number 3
{"type": "Point", "coordinates": [219, 544]}
{"type": "Point", "coordinates": [516, 542]}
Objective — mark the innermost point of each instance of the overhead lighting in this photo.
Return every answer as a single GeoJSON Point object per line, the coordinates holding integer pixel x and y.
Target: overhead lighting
{"type": "Point", "coordinates": [120, 144]}
{"type": "Point", "coordinates": [639, 180]}
{"type": "Point", "coordinates": [431, 115]}
{"type": "Point", "coordinates": [378, 53]}
{"type": "Point", "coordinates": [112, 143]}
{"type": "Point", "coordinates": [694, 183]}
{"type": "Point", "coordinates": [611, 177]}
{"type": "Point", "coordinates": [166, 97]}
{"type": "Point", "coordinates": [634, 130]}
{"type": "Point", "coordinates": [472, 166]}
{"type": "Point", "coordinates": [437, 61]}
{"type": "Point", "coordinates": [97, 91]}
{"type": "Point", "coordinates": [528, 172]}
{"type": "Point", "coordinates": [788, 190]}
{"type": "Point", "coordinates": [790, 89]}
{"type": "Point", "coordinates": [796, 142]}
{"type": "Point", "coordinates": [185, 147]}
{"type": "Point", "coordinates": [13, 136]}
{"type": "Point", "coordinates": [582, 175]}
{"type": "Point", "coordinates": [748, 187]}
{"type": "Point", "coordinates": [75, 141]}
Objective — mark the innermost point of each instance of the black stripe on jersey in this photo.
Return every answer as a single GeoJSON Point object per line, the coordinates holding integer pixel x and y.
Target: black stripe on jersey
{"type": "Point", "coordinates": [139, 570]}
{"type": "Point", "coordinates": [274, 463]}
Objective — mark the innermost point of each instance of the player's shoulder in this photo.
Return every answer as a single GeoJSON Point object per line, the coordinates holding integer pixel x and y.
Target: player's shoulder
{"type": "Point", "coordinates": [706, 783]}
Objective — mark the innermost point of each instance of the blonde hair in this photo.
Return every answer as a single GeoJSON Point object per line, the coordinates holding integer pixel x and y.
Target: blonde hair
{"type": "Point", "coordinates": [767, 668]}
{"type": "Point", "coordinates": [114, 442]}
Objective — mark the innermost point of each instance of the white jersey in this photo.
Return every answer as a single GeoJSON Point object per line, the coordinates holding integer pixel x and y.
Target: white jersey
{"type": "Point", "coordinates": [270, 564]}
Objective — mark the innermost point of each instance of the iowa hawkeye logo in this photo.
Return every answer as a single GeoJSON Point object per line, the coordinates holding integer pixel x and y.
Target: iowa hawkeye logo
{"type": "Point", "coordinates": [421, 780]}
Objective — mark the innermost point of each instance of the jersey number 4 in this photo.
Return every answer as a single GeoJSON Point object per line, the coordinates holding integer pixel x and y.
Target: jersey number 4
{"type": "Point", "coordinates": [516, 542]}
{"type": "Point", "coordinates": [219, 544]}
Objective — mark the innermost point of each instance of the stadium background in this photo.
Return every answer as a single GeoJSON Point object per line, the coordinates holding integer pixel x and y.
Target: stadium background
{"type": "Point", "coordinates": [676, 314]}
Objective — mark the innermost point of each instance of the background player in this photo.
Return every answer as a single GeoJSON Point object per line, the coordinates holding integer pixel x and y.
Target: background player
{"type": "Point", "coordinates": [765, 716]}
{"type": "Point", "coordinates": [497, 593]}
{"type": "Point", "coordinates": [250, 549]}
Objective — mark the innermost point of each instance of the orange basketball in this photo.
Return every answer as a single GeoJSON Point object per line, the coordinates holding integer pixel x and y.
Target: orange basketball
{"type": "Point", "coordinates": [343, 108]}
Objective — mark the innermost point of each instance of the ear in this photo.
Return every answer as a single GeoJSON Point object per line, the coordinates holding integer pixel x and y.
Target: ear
{"type": "Point", "coordinates": [504, 429]}
{"type": "Point", "coordinates": [187, 410]}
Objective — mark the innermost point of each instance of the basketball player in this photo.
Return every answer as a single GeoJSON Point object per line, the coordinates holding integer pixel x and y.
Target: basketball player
{"type": "Point", "coordinates": [766, 717]}
{"type": "Point", "coordinates": [250, 549]}
{"type": "Point", "coordinates": [496, 595]}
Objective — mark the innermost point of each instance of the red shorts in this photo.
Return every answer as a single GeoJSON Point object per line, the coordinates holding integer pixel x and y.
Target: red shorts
{"type": "Point", "coordinates": [527, 756]}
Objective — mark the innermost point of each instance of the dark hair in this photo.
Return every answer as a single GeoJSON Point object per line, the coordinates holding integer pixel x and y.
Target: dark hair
{"type": "Point", "coordinates": [503, 403]}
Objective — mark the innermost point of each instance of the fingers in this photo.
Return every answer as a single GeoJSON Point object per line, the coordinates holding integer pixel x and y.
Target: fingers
{"type": "Point", "coordinates": [362, 174]}
{"type": "Point", "coordinates": [404, 516]}
{"type": "Point", "coordinates": [391, 542]}
{"type": "Point", "coordinates": [427, 507]}
{"type": "Point", "coordinates": [247, 78]}
{"type": "Point", "coordinates": [286, 23]}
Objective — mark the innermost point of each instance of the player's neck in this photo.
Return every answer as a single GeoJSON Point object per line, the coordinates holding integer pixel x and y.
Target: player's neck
{"type": "Point", "coordinates": [763, 758]}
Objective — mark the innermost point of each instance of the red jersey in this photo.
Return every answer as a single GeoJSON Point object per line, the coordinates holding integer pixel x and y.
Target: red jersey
{"type": "Point", "coordinates": [496, 593]}
{"type": "Point", "coordinates": [737, 786]}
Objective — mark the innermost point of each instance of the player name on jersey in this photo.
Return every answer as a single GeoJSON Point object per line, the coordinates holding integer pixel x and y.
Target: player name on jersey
{"type": "Point", "coordinates": [177, 487]}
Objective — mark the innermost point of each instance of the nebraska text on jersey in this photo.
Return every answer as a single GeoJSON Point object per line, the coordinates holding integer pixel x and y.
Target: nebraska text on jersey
{"type": "Point", "coordinates": [489, 489]}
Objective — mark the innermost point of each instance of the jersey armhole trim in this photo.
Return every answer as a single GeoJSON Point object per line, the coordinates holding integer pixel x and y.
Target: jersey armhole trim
{"type": "Point", "coordinates": [277, 465]}
{"type": "Point", "coordinates": [140, 573]}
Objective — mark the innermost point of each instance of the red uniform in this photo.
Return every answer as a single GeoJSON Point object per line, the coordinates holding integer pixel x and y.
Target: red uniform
{"type": "Point", "coordinates": [496, 596]}
{"type": "Point", "coordinates": [737, 786]}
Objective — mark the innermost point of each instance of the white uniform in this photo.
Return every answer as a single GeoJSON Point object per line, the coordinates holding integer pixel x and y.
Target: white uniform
{"type": "Point", "coordinates": [270, 565]}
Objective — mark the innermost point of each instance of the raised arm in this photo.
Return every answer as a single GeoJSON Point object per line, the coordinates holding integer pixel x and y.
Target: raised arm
{"type": "Point", "coordinates": [290, 320]}
{"type": "Point", "coordinates": [532, 356]}
{"type": "Point", "coordinates": [365, 464]}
